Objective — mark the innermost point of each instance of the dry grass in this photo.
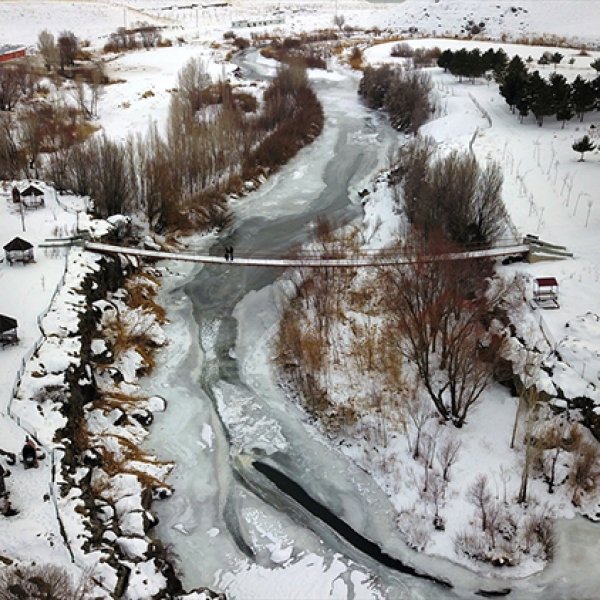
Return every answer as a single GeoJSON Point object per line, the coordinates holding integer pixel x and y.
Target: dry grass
{"type": "Point", "coordinates": [81, 435]}
{"type": "Point", "coordinates": [115, 399]}
{"type": "Point", "coordinates": [132, 453]}
{"type": "Point", "coordinates": [356, 59]}
{"type": "Point", "coordinates": [143, 295]}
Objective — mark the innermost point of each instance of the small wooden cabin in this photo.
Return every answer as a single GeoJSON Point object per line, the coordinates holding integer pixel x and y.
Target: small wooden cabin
{"type": "Point", "coordinates": [545, 292]}
{"type": "Point", "coordinates": [32, 196]}
{"type": "Point", "coordinates": [8, 331]}
{"type": "Point", "coordinates": [18, 250]}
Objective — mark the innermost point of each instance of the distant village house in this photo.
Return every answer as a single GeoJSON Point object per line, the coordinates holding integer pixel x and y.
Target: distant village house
{"type": "Point", "coordinates": [257, 22]}
{"type": "Point", "coordinates": [8, 52]}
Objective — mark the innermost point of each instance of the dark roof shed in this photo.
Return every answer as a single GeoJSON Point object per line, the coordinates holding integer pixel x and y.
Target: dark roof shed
{"type": "Point", "coordinates": [18, 245]}
{"type": "Point", "coordinates": [32, 190]}
{"type": "Point", "coordinates": [7, 323]}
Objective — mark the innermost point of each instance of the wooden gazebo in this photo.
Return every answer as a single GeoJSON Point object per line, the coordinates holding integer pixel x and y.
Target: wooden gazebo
{"type": "Point", "coordinates": [545, 292]}
{"type": "Point", "coordinates": [8, 331]}
{"type": "Point", "coordinates": [32, 196]}
{"type": "Point", "coordinates": [18, 250]}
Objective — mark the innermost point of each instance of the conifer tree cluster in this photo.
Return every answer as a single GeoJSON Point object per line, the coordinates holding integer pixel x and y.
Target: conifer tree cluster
{"type": "Point", "coordinates": [473, 63]}
{"type": "Point", "coordinates": [531, 93]}
{"type": "Point", "coordinates": [527, 92]}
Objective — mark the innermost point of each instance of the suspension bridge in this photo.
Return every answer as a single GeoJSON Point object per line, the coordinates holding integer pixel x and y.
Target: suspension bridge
{"type": "Point", "coordinates": [363, 258]}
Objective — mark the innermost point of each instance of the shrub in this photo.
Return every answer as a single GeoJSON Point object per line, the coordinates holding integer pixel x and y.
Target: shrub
{"type": "Point", "coordinates": [403, 94]}
{"type": "Point", "coordinates": [451, 193]}
{"type": "Point", "coordinates": [40, 583]}
{"type": "Point", "coordinates": [241, 43]}
{"type": "Point", "coordinates": [356, 58]}
{"type": "Point", "coordinates": [402, 50]}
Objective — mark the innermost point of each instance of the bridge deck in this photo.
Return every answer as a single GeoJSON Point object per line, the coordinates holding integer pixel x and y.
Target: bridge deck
{"type": "Point", "coordinates": [366, 259]}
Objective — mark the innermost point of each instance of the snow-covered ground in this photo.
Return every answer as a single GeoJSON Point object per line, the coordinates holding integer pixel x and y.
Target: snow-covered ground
{"type": "Point", "coordinates": [547, 192]}
{"type": "Point", "coordinates": [577, 20]}
{"type": "Point", "coordinates": [25, 293]}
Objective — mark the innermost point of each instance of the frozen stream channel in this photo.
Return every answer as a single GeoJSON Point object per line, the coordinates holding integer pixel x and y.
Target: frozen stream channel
{"type": "Point", "coordinates": [230, 527]}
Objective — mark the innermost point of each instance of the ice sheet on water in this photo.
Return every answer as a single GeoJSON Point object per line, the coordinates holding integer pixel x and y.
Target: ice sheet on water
{"type": "Point", "coordinates": [248, 427]}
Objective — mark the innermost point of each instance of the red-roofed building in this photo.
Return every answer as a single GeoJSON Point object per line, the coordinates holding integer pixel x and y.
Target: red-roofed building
{"type": "Point", "coordinates": [11, 53]}
{"type": "Point", "coordinates": [545, 292]}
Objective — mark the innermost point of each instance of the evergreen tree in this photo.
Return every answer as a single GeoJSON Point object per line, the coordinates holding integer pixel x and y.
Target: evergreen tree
{"type": "Point", "coordinates": [539, 92]}
{"type": "Point", "coordinates": [460, 64]}
{"type": "Point", "coordinates": [595, 64]}
{"type": "Point", "coordinates": [583, 96]}
{"type": "Point", "coordinates": [561, 98]}
{"type": "Point", "coordinates": [475, 64]}
{"type": "Point", "coordinates": [512, 88]}
{"type": "Point", "coordinates": [556, 58]}
{"type": "Point", "coordinates": [499, 65]}
{"type": "Point", "coordinates": [596, 88]}
{"type": "Point", "coordinates": [522, 107]}
{"type": "Point", "coordinates": [445, 60]}
{"type": "Point", "coordinates": [583, 145]}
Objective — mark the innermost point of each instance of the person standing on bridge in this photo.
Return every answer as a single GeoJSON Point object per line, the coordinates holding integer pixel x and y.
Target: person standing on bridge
{"type": "Point", "coordinates": [230, 252]}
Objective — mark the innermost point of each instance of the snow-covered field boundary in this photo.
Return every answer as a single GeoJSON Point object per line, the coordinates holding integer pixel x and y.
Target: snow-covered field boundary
{"type": "Point", "coordinates": [29, 354]}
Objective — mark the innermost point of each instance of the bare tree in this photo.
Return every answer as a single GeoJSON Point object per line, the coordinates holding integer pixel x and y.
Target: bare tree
{"type": "Point", "coordinates": [505, 478]}
{"type": "Point", "coordinates": [437, 309]}
{"type": "Point", "coordinates": [68, 46]}
{"type": "Point", "coordinates": [81, 95]}
{"type": "Point", "coordinates": [32, 131]}
{"type": "Point", "coordinates": [150, 35]}
{"type": "Point", "coordinates": [488, 219]}
{"type": "Point", "coordinates": [407, 100]}
{"type": "Point", "coordinates": [585, 471]}
{"type": "Point", "coordinates": [419, 413]}
{"type": "Point", "coordinates": [479, 494]}
{"type": "Point", "coordinates": [12, 159]}
{"type": "Point", "coordinates": [98, 79]}
{"type": "Point", "coordinates": [338, 21]}
{"type": "Point", "coordinates": [48, 49]}
{"type": "Point", "coordinates": [447, 454]}
{"type": "Point", "coordinates": [430, 440]}
{"type": "Point", "coordinates": [10, 86]}
{"type": "Point", "coordinates": [192, 80]}
{"type": "Point", "coordinates": [494, 516]}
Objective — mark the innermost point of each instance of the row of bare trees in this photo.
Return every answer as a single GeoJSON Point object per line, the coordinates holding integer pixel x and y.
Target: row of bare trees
{"type": "Point", "coordinates": [213, 141]}
{"type": "Point", "coordinates": [58, 53]}
{"type": "Point", "coordinates": [216, 137]}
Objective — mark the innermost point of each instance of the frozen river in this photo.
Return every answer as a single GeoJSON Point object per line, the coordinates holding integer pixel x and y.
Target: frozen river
{"type": "Point", "coordinates": [232, 529]}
